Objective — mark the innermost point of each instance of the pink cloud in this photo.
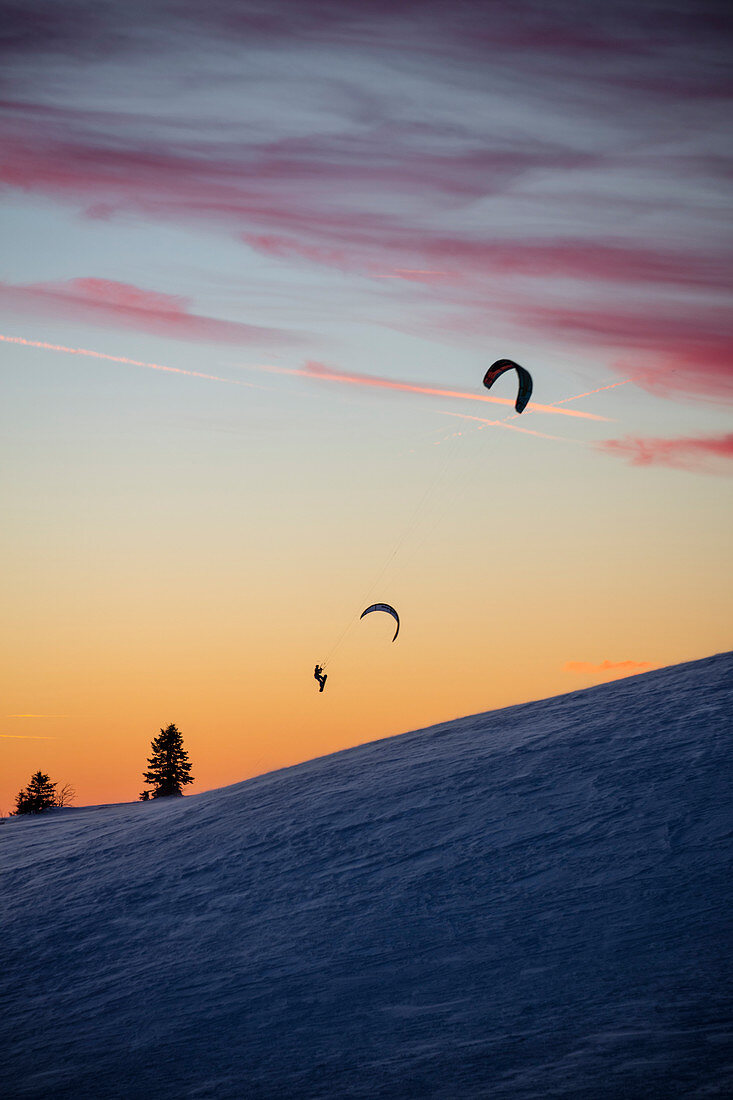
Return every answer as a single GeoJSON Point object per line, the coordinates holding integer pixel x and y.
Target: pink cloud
{"type": "Point", "coordinates": [71, 154]}
{"type": "Point", "coordinates": [689, 350]}
{"type": "Point", "coordinates": [333, 199]}
{"type": "Point", "coordinates": [365, 244]}
{"type": "Point", "coordinates": [587, 668]}
{"type": "Point", "coordinates": [106, 302]}
{"type": "Point", "coordinates": [700, 455]}
{"type": "Point", "coordinates": [592, 259]}
{"type": "Point", "coordinates": [704, 369]}
{"type": "Point", "coordinates": [271, 244]}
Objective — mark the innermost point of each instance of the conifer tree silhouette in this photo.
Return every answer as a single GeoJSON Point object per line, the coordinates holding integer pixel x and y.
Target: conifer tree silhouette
{"type": "Point", "coordinates": [39, 795]}
{"type": "Point", "coordinates": [168, 766]}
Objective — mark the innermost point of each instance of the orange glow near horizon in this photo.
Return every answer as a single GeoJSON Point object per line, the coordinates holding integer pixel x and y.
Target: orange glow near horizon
{"type": "Point", "coordinates": [231, 663]}
{"type": "Point", "coordinates": [175, 572]}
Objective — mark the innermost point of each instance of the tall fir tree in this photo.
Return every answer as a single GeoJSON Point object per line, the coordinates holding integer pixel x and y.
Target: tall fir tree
{"type": "Point", "coordinates": [168, 767]}
{"type": "Point", "coordinates": [39, 795]}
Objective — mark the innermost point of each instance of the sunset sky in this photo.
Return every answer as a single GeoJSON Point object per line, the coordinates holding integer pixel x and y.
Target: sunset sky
{"type": "Point", "coordinates": [256, 260]}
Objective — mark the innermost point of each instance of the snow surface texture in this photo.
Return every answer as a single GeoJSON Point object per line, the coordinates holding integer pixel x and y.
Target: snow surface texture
{"type": "Point", "coordinates": [533, 902]}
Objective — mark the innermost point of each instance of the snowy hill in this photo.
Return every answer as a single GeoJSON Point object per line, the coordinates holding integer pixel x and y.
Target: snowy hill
{"type": "Point", "coordinates": [533, 902]}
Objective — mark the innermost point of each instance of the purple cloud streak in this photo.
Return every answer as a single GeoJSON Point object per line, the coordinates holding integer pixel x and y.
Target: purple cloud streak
{"type": "Point", "coordinates": [388, 189]}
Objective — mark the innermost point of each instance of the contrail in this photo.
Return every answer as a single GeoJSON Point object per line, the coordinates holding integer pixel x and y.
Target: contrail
{"type": "Point", "coordinates": [578, 396]}
{"type": "Point", "coordinates": [512, 427]}
{"type": "Point", "coordinates": [25, 737]}
{"type": "Point", "coordinates": [123, 359]}
{"type": "Point", "coordinates": [528, 431]}
{"type": "Point", "coordinates": [590, 393]}
{"type": "Point", "coordinates": [326, 374]}
{"type": "Point", "coordinates": [320, 371]}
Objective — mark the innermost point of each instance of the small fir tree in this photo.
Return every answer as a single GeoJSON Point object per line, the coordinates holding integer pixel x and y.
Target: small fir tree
{"type": "Point", "coordinates": [39, 795]}
{"type": "Point", "coordinates": [168, 767]}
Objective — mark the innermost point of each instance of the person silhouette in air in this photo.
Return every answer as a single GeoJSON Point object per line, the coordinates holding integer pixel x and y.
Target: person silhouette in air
{"type": "Point", "coordinates": [320, 675]}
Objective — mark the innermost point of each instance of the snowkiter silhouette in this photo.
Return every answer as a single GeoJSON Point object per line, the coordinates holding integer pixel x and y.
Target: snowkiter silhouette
{"type": "Point", "coordinates": [320, 675]}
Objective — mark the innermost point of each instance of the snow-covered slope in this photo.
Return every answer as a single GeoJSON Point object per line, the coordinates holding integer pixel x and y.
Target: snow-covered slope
{"type": "Point", "coordinates": [533, 902]}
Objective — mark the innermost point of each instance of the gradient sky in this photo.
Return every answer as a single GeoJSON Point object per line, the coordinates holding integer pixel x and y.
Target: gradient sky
{"type": "Point", "coordinates": [256, 260]}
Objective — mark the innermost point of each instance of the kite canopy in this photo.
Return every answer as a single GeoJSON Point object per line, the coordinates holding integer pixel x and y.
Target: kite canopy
{"type": "Point", "coordinates": [383, 607]}
{"type": "Point", "coordinates": [525, 380]}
